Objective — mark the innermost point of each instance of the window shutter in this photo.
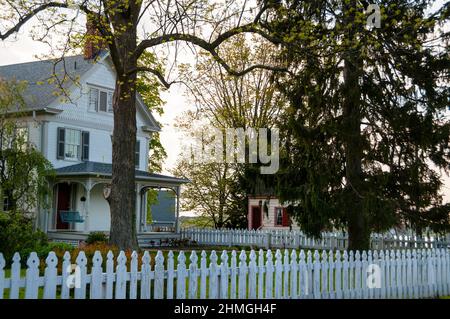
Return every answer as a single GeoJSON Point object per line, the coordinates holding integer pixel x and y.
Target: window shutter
{"type": "Point", "coordinates": [84, 146]}
{"type": "Point", "coordinates": [285, 217]}
{"type": "Point", "coordinates": [93, 99]}
{"type": "Point", "coordinates": [137, 152]}
{"type": "Point", "coordinates": [60, 143]}
{"type": "Point", "coordinates": [110, 102]}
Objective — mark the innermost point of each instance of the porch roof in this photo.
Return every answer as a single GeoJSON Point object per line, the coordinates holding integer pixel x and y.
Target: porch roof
{"type": "Point", "coordinates": [104, 170]}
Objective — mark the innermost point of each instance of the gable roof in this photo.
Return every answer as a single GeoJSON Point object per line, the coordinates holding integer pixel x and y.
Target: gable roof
{"type": "Point", "coordinates": [40, 89]}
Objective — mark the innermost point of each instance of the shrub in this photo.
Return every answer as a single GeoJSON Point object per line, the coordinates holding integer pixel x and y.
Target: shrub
{"type": "Point", "coordinates": [17, 235]}
{"type": "Point", "coordinates": [96, 237]}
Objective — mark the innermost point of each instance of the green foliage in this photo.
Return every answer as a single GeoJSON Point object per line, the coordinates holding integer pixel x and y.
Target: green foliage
{"type": "Point", "coordinates": [17, 235]}
{"type": "Point", "coordinates": [96, 237]}
{"type": "Point", "coordinates": [365, 135]}
{"type": "Point", "coordinates": [149, 87]}
{"type": "Point", "coordinates": [24, 171]}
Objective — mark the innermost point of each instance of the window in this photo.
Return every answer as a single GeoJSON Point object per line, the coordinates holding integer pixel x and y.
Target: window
{"type": "Point", "coordinates": [72, 144]}
{"type": "Point", "coordinates": [281, 217]}
{"type": "Point", "coordinates": [100, 100]}
{"type": "Point", "coordinates": [137, 153]}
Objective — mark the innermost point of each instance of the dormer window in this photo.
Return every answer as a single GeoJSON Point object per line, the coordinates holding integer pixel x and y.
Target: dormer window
{"type": "Point", "coordinates": [100, 100]}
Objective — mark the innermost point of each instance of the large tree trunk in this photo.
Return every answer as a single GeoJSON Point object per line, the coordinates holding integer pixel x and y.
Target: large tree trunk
{"type": "Point", "coordinates": [122, 199]}
{"type": "Point", "coordinates": [358, 226]}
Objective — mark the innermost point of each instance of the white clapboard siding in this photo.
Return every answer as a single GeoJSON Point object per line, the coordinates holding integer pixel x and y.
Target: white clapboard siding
{"type": "Point", "coordinates": [390, 273]}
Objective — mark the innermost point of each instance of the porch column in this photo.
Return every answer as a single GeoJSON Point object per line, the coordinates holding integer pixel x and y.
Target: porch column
{"type": "Point", "coordinates": [177, 224]}
{"type": "Point", "coordinates": [143, 217]}
{"type": "Point", "coordinates": [88, 188]}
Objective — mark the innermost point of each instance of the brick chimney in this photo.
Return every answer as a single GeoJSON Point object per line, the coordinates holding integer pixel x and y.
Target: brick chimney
{"type": "Point", "coordinates": [93, 43]}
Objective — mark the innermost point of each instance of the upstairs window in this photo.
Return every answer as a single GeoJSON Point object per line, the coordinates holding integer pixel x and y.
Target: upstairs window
{"type": "Point", "coordinates": [72, 144]}
{"type": "Point", "coordinates": [100, 100]}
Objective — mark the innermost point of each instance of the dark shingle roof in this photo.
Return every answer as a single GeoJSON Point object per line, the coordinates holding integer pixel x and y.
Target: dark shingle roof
{"type": "Point", "coordinates": [39, 92]}
{"type": "Point", "coordinates": [104, 169]}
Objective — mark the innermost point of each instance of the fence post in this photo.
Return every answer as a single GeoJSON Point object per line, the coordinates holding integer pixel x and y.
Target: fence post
{"type": "Point", "coordinates": [32, 277]}
{"type": "Point", "coordinates": [261, 274]}
{"type": "Point", "coordinates": [203, 275]}
{"type": "Point", "coordinates": [213, 276]}
{"type": "Point", "coordinates": [50, 275]}
{"type": "Point", "coordinates": [294, 275]}
{"type": "Point", "coordinates": [170, 274]}
{"type": "Point", "coordinates": [278, 274]}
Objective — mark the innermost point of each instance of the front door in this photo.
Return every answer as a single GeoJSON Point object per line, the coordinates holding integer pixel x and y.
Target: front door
{"type": "Point", "coordinates": [256, 217]}
{"type": "Point", "coordinates": [64, 191]}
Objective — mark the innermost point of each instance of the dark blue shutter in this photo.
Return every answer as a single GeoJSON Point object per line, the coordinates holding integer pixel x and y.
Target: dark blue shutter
{"type": "Point", "coordinates": [85, 146]}
{"type": "Point", "coordinates": [60, 143]}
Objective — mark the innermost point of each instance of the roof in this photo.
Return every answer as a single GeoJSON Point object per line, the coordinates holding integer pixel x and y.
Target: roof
{"type": "Point", "coordinates": [104, 169]}
{"type": "Point", "coordinates": [41, 84]}
{"type": "Point", "coordinates": [40, 90]}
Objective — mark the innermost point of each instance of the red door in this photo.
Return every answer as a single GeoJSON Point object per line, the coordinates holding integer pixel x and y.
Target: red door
{"type": "Point", "coordinates": [256, 217]}
{"type": "Point", "coordinates": [63, 204]}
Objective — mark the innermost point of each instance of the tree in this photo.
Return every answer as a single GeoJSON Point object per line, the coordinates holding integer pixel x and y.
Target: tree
{"type": "Point", "coordinates": [365, 134]}
{"type": "Point", "coordinates": [24, 171]}
{"type": "Point", "coordinates": [226, 101]}
{"type": "Point", "coordinates": [117, 23]}
{"type": "Point", "coordinates": [213, 192]}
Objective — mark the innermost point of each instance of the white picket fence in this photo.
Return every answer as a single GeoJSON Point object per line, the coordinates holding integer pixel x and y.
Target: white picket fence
{"type": "Point", "coordinates": [297, 239]}
{"type": "Point", "coordinates": [411, 273]}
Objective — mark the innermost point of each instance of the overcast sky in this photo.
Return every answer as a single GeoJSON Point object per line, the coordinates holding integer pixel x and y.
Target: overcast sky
{"type": "Point", "coordinates": [24, 49]}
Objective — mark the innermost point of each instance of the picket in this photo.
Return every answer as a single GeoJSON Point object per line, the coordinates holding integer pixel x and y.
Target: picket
{"type": "Point", "coordinates": [181, 276]}
{"type": "Point", "coordinates": [224, 275]}
{"type": "Point", "coordinates": [193, 276]}
{"type": "Point", "coordinates": [203, 275]}
{"type": "Point", "coordinates": [213, 276]}
{"type": "Point", "coordinates": [66, 270]}
{"type": "Point", "coordinates": [133, 275]}
{"type": "Point", "coordinates": [170, 275]}
{"type": "Point", "coordinates": [266, 238]}
{"type": "Point", "coordinates": [145, 277]}
{"type": "Point", "coordinates": [158, 282]}
{"type": "Point", "coordinates": [50, 276]}
{"type": "Point", "coordinates": [252, 274]}
{"type": "Point", "coordinates": [404, 273]}
{"type": "Point", "coordinates": [96, 276]}
{"type": "Point", "coordinates": [110, 276]}
{"type": "Point", "coordinates": [32, 277]}
{"type": "Point", "coordinates": [2, 275]}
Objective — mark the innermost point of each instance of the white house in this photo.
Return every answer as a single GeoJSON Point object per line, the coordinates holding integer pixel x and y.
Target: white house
{"type": "Point", "coordinates": [75, 136]}
{"type": "Point", "coordinates": [266, 212]}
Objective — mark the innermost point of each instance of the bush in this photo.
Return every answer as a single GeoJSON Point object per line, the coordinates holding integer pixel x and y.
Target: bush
{"type": "Point", "coordinates": [17, 235]}
{"type": "Point", "coordinates": [96, 237]}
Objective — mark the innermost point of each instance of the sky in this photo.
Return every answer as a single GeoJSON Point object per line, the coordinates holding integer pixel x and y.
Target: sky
{"type": "Point", "coordinates": [23, 49]}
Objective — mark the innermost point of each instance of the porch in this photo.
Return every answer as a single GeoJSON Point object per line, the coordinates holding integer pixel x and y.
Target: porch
{"type": "Point", "coordinates": [78, 205]}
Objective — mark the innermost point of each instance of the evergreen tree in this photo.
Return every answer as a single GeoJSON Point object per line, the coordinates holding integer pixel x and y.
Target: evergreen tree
{"type": "Point", "coordinates": [365, 137]}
